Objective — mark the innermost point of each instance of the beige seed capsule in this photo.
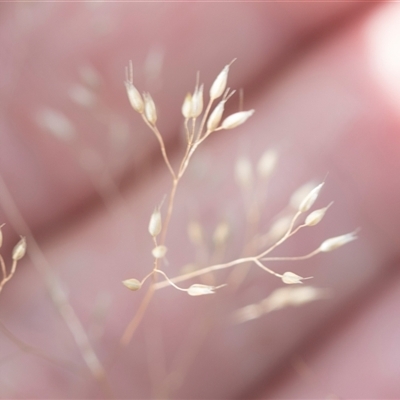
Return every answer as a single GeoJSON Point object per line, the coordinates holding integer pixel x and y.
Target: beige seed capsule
{"type": "Point", "coordinates": [236, 119]}
{"type": "Point", "coordinates": [155, 224]}
{"type": "Point", "coordinates": [300, 193]}
{"type": "Point", "coordinates": [197, 102]}
{"type": "Point", "coordinates": [290, 278]}
{"type": "Point", "coordinates": [215, 118]}
{"type": "Point", "coordinates": [336, 242]}
{"type": "Point", "coordinates": [309, 200]}
{"type": "Point", "coordinates": [149, 109]}
{"type": "Point", "coordinates": [187, 106]}
{"type": "Point", "coordinates": [159, 251]}
{"type": "Point", "coordinates": [132, 284]}
{"type": "Point", "coordinates": [199, 290]}
{"type": "Point", "coordinates": [219, 85]}
{"type": "Point", "coordinates": [134, 97]}
{"type": "Point", "coordinates": [19, 249]}
{"type": "Point", "coordinates": [316, 216]}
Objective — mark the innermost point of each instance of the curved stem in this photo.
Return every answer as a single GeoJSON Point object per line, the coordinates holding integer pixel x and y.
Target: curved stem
{"type": "Point", "coordinates": [203, 271]}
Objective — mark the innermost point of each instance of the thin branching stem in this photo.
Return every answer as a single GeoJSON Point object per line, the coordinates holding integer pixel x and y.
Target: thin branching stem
{"type": "Point", "coordinates": [6, 277]}
{"type": "Point", "coordinates": [295, 258]}
{"type": "Point", "coordinates": [203, 271]}
{"type": "Point", "coordinates": [254, 259]}
{"type": "Point", "coordinates": [204, 119]}
{"type": "Point", "coordinates": [137, 319]}
{"type": "Point", "coordinates": [54, 287]}
{"type": "Point", "coordinates": [162, 146]}
{"type": "Point", "coordinates": [170, 209]}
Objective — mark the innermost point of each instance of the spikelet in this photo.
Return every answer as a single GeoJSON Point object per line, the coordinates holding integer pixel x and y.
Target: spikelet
{"type": "Point", "coordinates": [236, 119]}
{"type": "Point", "coordinates": [19, 249]}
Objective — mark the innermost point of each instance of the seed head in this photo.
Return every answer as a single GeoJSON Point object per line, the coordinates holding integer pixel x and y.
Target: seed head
{"type": "Point", "coordinates": [198, 289]}
{"type": "Point", "coordinates": [187, 106]}
{"type": "Point", "coordinates": [155, 224]}
{"type": "Point", "coordinates": [159, 251]}
{"type": "Point", "coordinates": [219, 85]}
{"type": "Point", "coordinates": [19, 249]}
{"type": "Point", "coordinates": [336, 242]}
{"type": "Point", "coordinates": [291, 278]}
{"type": "Point", "coordinates": [215, 118]}
{"type": "Point", "coordinates": [134, 97]}
{"type": "Point", "coordinates": [236, 119]}
{"type": "Point", "coordinates": [150, 109]}
{"type": "Point", "coordinates": [300, 193]}
{"type": "Point", "coordinates": [316, 216]}
{"type": "Point", "coordinates": [132, 284]}
{"type": "Point", "coordinates": [309, 200]}
{"type": "Point", "coordinates": [197, 102]}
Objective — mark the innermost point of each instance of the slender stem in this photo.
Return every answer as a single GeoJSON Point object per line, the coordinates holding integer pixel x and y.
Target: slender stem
{"type": "Point", "coordinates": [203, 120]}
{"type": "Point", "coordinates": [170, 281]}
{"type": "Point", "coordinates": [162, 145]}
{"type": "Point", "coordinates": [285, 236]}
{"type": "Point", "coordinates": [13, 267]}
{"type": "Point", "coordinates": [137, 319]}
{"type": "Point", "coordinates": [298, 258]}
{"type": "Point", "coordinates": [243, 260]}
{"type": "Point", "coordinates": [262, 266]}
{"type": "Point", "coordinates": [203, 271]}
{"type": "Point", "coordinates": [3, 267]}
{"type": "Point", "coordinates": [54, 286]}
{"type": "Point", "coordinates": [170, 209]}
{"type": "Point", "coordinates": [10, 275]}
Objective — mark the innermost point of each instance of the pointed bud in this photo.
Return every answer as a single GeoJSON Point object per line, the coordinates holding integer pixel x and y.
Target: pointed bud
{"type": "Point", "coordinates": [215, 118]}
{"type": "Point", "coordinates": [187, 106]}
{"type": "Point", "coordinates": [159, 251]}
{"type": "Point", "coordinates": [316, 216]}
{"type": "Point", "coordinates": [199, 290]}
{"type": "Point", "coordinates": [219, 85]}
{"type": "Point", "coordinates": [134, 97]}
{"type": "Point", "coordinates": [150, 109]}
{"type": "Point", "coordinates": [197, 102]}
{"type": "Point", "coordinates": [336, 242]}
{"type": "Point", "coordinates": [309, 200]}
{"type": "Point", "coordinates": [236, 119]}
{"type": "Point", "coordinates": [300, 193]}
{"type": "Point", "coordinates": [291, 278]}
{"type": "Point", "coordinates": [132, 284]}
{"type": "Point", "coordinates": [19, 249]}
{"type": "Point", "coordinates": [155, 224]}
